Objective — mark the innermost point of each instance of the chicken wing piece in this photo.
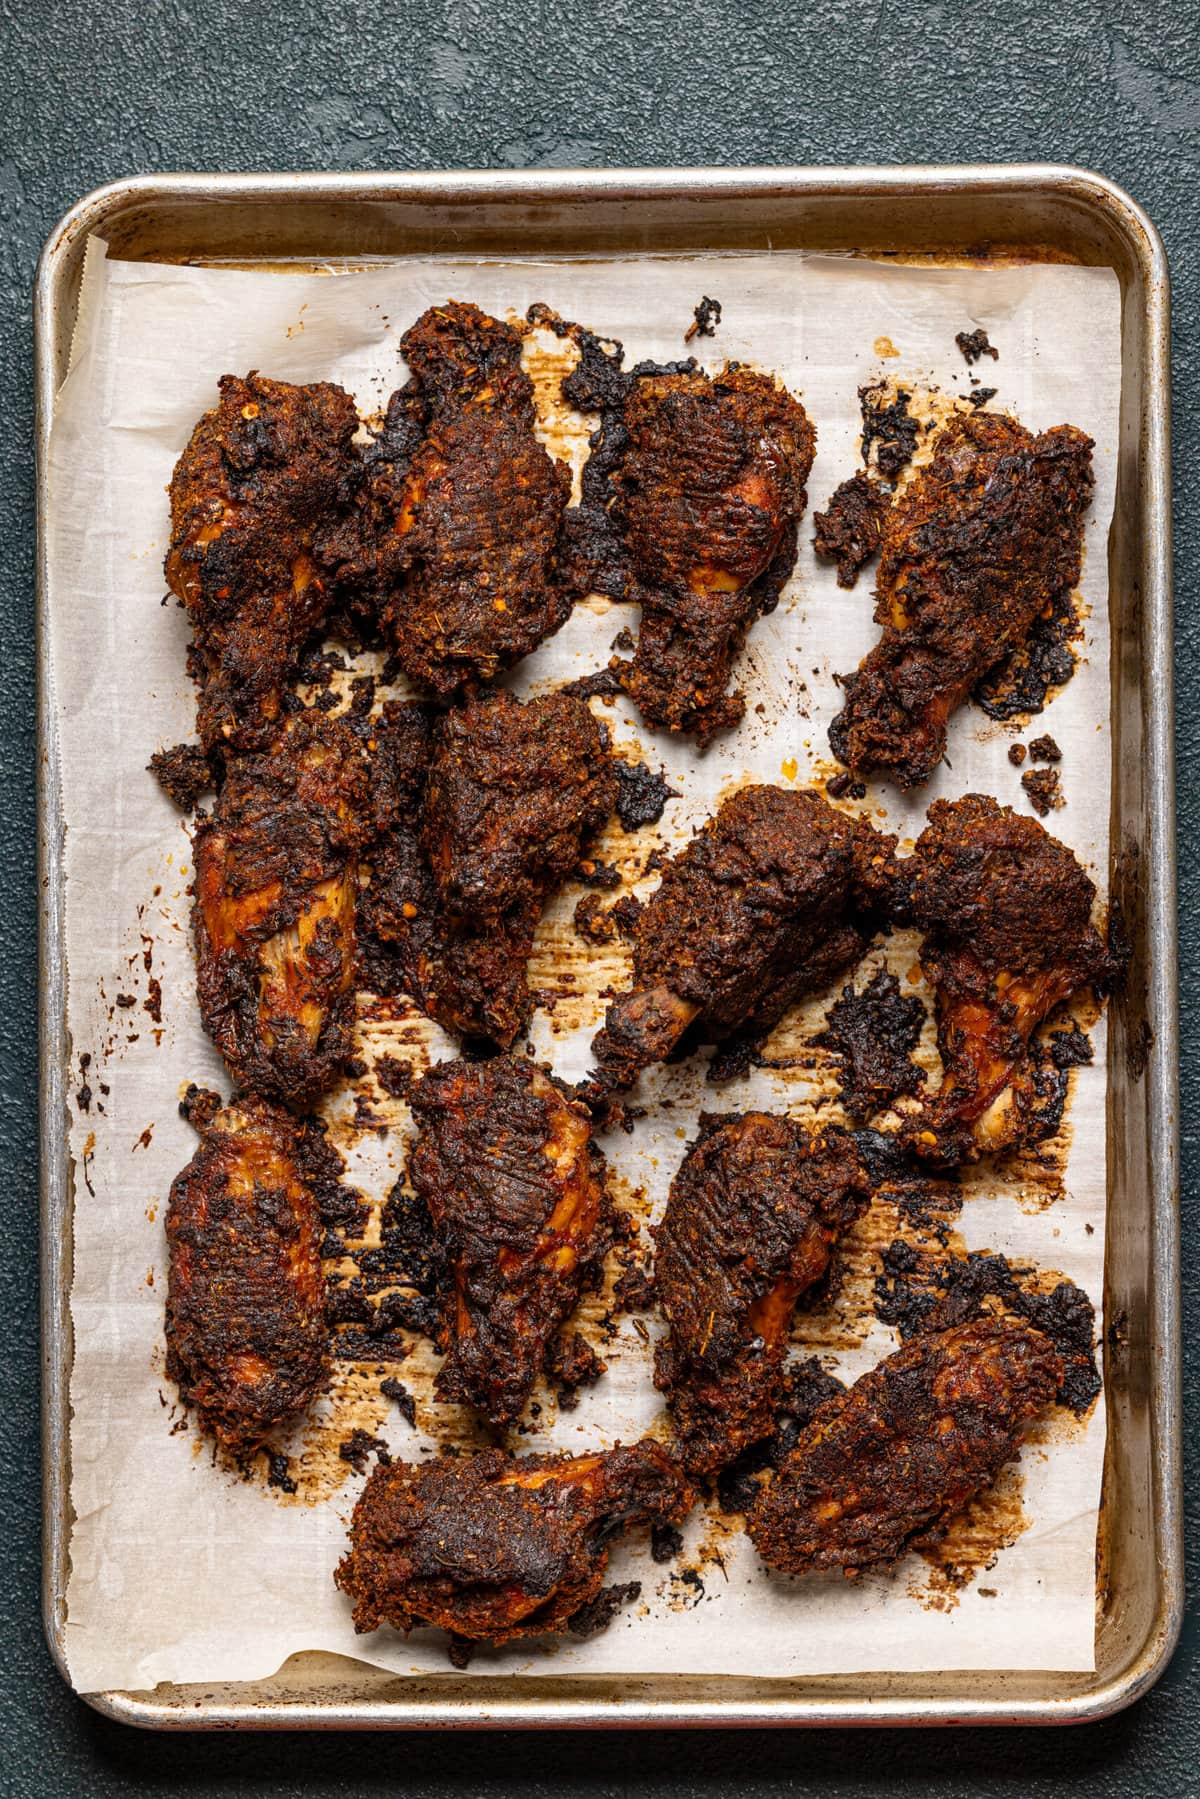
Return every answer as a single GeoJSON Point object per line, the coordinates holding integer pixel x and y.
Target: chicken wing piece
{"type": "Point", "coordinates": [505, 1161]}
{"type": "Point", "coordinates": [703, 481]}
{"type": "Point", "coordinates": [981, 543]}
{"type": "Point", "coordinates": [1006, 911]}
{"type": "Point", "coordinates": [247, 1339]}
{"type": "Point", "coordinates": [273, 914]}
{"type": "Point", "coordinates": [466, 515]}
{"type": "Point", "coordinates": [264, 476]}
{"type": "Point", "coordinates": [482, 814]}
{"type": "Point", "coordinates": [752, 1222]}
{"type": "Point", "coordinates": [768, 902]}
{"type": "Point", "coordinates": [491, 1546]}
{"type": "Point", "coordinates": [884, 1467]}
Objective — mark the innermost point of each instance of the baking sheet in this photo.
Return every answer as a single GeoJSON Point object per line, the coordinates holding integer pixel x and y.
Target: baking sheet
{"type": "Point", "coordinates": [178, 1570]}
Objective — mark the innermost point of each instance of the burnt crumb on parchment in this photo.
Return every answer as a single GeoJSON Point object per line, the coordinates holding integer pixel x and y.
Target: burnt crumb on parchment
{"type": "Point", "coordinates": [809, 1385]}
{"type": "Point", "coordinates": [624, 640]}
{"type": "Point", "coordinates": [598, 874]}
{"type": "Point", "coordinates": [642, 795]}
{"type": "Point", "coordinates": [849, 530]}
{"type": "Point", "coordinates": [1044, 789]}
{"type": "Point", "coordinates": [460, 1651]}
{"type": "Point", "coordinates": [666, 1542]}
{"type": "Point", "coordinates": [401, 1398]}
{"type": "Point", "coordinates": [279, 1472]}
{"type": "Point", "coordinates": [1070, 1049]}
{"type": "Point", "coordinates": [1021, 684]}
{"type": "Point", "coordinates": [153, 1000]}
{"type": "Point", "coordinates": [843, 786]}
{"type": "Point", "coordinates": [918, 1291]}
{"type": "Point", "coordinates": [569, 1362]}
{"type": "Point", "coordinates": [705, 319]}
{"type": "Point", "coordinates": [394, 1077]}
{"type": "Point", "coordinates": [396, 1285]}
{"type": "Point", "coordinates": [83, 1097]}
{"type": "Point", "coordinates": [974, 345]}
{"type": "Point", "coordinates": [358, 1448]}
{"type": "Point", "coordinates": [594, 920]}
{"type": "Point", "coordinates": [341, 1207]}
{"type": "Point", "coordinates": [735, 1057]}
{"type": "Point", "coordinates": [599, 1612]}
{"type": "Point", "coordinates": [1044, 749]}
{"type": "Point", "coordinates": [873, 1034]}
{"type": "Point", "coordinates": [1017, 753]}
{"type": "Point", "coordinates": [183, 772]}
{"type": "Point", "coordinates": [888, 425]}
{"type": "Point", "coordinates": [199, 1106]}
{"type": "Point", "coordinates": [633, 1289]}
{"type": "Point", "coordinates": [979, 396]}
{"type": "Point", "coordinates": [925, 1201]}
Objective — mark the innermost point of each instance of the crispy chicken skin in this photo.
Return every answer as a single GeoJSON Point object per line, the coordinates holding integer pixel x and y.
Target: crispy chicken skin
{"type": "Point", "coordinates": [1006, 912]}
{"type": "Point", "coordinates": [770, 900]}
{"type": "Point", "coordinates": [505, 1161]}
{"type": "Point", "coordinates": [706, 487]}
{"type": "Point", "coordinates": [259, 484]}
{"type": "Point", "coordinates": [491, 1546]}
{"type": "Point", "coordinates": [274, 909]}
{"type": "Point", "coordinates": [752, 1222]}
{"type": "Point", "coordinates": [977, 547]}
{"type": "Point", "coordinates": [483, 813]}
{"type": "Point", "coordinates": [885, 1466]}
{"type": "Point", "coordinates": [247, 1340]}
{"type": "Point", "coordinates": [464, 507]}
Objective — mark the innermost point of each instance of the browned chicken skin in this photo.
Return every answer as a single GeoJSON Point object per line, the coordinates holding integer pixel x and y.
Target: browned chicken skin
{"type": "Point", "coordinates": [752, 1222]}
{"type": "Point", "coordinates": [702, 480]}
{"type": "Point", "coordinates": [263, 478]}
{"type": "Point", "coordinates": [462, 507]}
{"type": "Point", "coordinates": [274, 909]}
{"type": "Point", "coordinates": [974, 551]}
{"type": "Point", "coordinates": [768, 902]}
{"type": "Point", "coordinates": [483, 814]}
{"type": "Point", "coordinates": [885, 1466]}
{"type": "Point", "coordinates": [247, 1340]}
{"type": "Point", "coordinates": [1006, 910]}
{"type": "Point", "coordinates": [505, 1161]}
{"type": "Point", "coordinates": [492, 1547]}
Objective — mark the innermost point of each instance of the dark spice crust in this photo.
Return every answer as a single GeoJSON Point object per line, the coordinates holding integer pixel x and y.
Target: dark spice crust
{"type": "Point", "coordinates": [1044, 790]}
{"type": "Point", "coordinates": [505, 1162]}
{"type": "Point", "coordinates": [493, 1547]}
{"type": "Point", "coordinates": [874, 1033]}
{"type": "Point", "coordinates": [983, 541]}
{"type": "Point", "coordinates": [752, 1222]}
{"type": "Point", "coordinates": [888, 426]}
{"type": "Point", "coordinates": [771, 899]}
{"type": "Point", "coordinates": [247, 1340]}
{"type": "Point", "coordinates": [884, 1468]}
{"type": "Point", "coordinates": [274, 909]}
{"type": "Point", "coordinates": [265, 476]}
{"type": "Point", "coordinates": [849, 530]}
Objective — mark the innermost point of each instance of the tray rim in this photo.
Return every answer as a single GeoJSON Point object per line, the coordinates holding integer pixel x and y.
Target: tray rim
{"type": "Point", "coordinates": [1146, 251]}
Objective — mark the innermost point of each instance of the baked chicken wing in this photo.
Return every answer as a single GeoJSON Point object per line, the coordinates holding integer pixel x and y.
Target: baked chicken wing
{"type": "Point", "coordinates": [263, 478]}
{"type": "Point", "coordinates": [1006, 911]}
{"type": "Point", "coordinates": [492, 1547]}
{"type": "Point", "coordinates": [771, 899]}
{"type": "Point", "coordinates": [980, 544]}
{"type": "Point", "coordinates": [703, 482]}
{"type": "Point", "coordinates": [884, 1467]}
{"type": "Point", "coordinates": [247, 1340]}
{"type": "Point", "coordinates": [274, 908]}
{"type": "Point", "coordinates": [752, 1222]}
{"type": "Point", "coordinates": [464, 507]}
{"type": "Point", "coordinates": [505, 1161]}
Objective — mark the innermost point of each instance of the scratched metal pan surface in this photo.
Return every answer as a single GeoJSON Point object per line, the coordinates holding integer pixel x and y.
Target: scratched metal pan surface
{"type": "Point", "coordinates": [1025, 212]}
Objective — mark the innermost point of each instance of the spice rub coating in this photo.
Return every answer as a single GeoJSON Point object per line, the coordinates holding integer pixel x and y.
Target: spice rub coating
{"type": "Point", "coordinates": [848, 532]}
{"type": "Point", "coordinates": [465, 507]}
{"type": "Point", "coordinates": [1006, 911]}
{"type": "Point", "coordinates": [480, 816]}
{"type": "Point", "coordinates": [491, 1546]}
{"type": "Point", "coordinates": [884, 1467]}
{"type": "Point", "coordinates": [752, 1222]}
{"type": "Point", "coordinates": [701, 483]}
{"type": "Point", "coordinates": [261, 482]}
{"type": "Point", "coordinates": [274, 908]}
{"type": "Point", "coordinates": [772, 898]}
{"type": "Point", "coordinates": [247, 1340]}
{"type": "Point", "coordinates": [505, 1161]}
{"type": "Point", "coordinates": [981, 543]}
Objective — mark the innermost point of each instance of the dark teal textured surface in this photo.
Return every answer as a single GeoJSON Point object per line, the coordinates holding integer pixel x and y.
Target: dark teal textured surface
{"type": "Point", "coordinates": [88, 93]}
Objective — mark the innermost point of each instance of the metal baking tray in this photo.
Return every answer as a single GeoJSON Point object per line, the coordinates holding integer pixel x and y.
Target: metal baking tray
{"type": "Point", "coordinates": [1018, 212]}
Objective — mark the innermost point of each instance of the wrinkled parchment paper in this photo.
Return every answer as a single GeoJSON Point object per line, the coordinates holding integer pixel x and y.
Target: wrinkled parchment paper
{"type": "Point", "coordinates": [179, 1570]}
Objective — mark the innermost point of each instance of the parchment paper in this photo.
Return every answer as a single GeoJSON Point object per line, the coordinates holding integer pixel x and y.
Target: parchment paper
{"type": "Point", "coordinates": [179, 1570]}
